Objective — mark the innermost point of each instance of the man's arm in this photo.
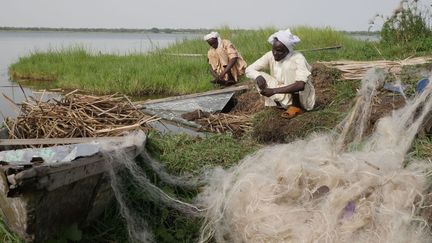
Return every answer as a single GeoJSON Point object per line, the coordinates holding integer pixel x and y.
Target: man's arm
{"type": "Point", "coordinates": [292, 88]}
{"type": "Point", "coordinates": [263, 63]}
{"type": "Point", "coordinates": [301, 75]}
{"type": "Point", "coordinates": [228, 67]}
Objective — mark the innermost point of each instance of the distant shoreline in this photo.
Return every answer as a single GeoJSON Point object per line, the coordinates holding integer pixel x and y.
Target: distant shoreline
{"type": "Point", "coordinates": [118, 30]}
{"type": "Point", "coordinates": [152, 30]}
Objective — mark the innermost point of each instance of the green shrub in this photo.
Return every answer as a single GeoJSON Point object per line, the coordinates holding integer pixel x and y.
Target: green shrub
{"type": "Point", "coordinates": [408, 23]}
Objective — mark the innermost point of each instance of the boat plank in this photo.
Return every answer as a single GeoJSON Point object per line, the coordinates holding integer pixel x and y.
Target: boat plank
{"type": "Point", "coordinates": [42, 141]}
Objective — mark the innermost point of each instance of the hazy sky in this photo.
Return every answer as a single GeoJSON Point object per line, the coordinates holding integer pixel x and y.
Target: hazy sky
{"type": "Point", "coordinates": [339, 14]}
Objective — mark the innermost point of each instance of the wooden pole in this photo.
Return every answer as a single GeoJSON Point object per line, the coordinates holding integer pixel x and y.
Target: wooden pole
{"type": "Point", "coordinates": [203, 55]}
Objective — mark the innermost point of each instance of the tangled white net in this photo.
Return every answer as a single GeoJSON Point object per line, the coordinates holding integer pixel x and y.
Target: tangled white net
{"type": "Point", "coordinates": [331, 187]}
{"type": "Point", "coordinates": [316, 190]}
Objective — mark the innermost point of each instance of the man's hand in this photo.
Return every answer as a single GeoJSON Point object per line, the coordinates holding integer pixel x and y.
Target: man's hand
{"type": "Point", "coordinates": [261, 82]}
{"type": "Point", "coordinates": [267, 92]}
{"type": "Point", "coordinates": [221, 76]}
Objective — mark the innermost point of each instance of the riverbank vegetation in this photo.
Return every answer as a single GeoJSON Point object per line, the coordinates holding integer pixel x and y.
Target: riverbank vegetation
{"type": "Point", "coordinates": [110, 30]}
{"type": "Point", "coordinates": [161, 72]}
{"type": "Point", "coordinates": [164, 72]}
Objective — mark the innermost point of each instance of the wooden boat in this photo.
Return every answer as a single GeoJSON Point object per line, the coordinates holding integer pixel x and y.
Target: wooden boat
{"type": "Point", "coordinates": [39, 198]}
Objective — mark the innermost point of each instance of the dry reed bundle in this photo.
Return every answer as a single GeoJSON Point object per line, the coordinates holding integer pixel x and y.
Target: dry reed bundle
{"type": "Point", "coordinates": [222, 122]}
{"type": "Point", "coordinates": [77, 115]}
{"type": "Point", "coordinates": [357, 69]}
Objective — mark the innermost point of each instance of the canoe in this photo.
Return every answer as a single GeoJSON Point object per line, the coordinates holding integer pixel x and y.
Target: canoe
{"type": "Point", "coordinates": [45, 190]}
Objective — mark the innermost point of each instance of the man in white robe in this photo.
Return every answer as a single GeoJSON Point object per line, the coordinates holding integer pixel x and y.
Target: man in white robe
{"type": "Point", "coordinates": [288, 84]}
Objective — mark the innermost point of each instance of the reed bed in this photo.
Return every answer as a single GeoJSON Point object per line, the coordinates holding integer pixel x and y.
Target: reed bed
{"type": "Point", "coordinates": [77, 115]}
{"type": "Point", "coordinates": [354, 70]}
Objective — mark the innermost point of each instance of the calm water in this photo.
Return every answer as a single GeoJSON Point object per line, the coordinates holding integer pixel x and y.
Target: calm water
{"type": "Point", "coordinates": [16, 44]}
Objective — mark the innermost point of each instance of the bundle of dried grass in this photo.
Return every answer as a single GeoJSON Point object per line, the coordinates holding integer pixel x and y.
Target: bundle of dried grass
{"type": "Point", "coordinates": [77, 115]}
{"type": "Point", "coordinates": [353, 70]}
{"type": "Point", "coordinates": [222, 122]}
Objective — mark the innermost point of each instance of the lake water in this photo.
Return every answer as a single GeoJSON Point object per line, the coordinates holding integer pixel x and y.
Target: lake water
{"type": "Point", "coordinates": [16, 44]}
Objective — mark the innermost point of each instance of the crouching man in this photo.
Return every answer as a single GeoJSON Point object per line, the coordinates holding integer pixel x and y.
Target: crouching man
{"type": "Point", "coordinates": [226, 63]}
{"type": "Point", "coordinates": [288, 84]}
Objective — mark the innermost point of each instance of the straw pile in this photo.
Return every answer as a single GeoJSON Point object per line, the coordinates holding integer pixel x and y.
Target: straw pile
{"type": "Point", "coordinates": [221, 123]}
{"type": "Point", "coordinates": [77, 115]}
{"type": "Point", "coordinates": [238, 120]}
{"type": "Point", "coordinates": [353, 70]}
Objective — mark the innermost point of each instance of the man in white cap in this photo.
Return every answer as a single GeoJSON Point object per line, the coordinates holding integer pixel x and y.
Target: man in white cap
{"type": "Point", "coordinates": [288, 85]}
{"type": "Point", "coordinates": [226, 63]}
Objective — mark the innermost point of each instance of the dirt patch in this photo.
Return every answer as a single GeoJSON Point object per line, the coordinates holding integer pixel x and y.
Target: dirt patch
{"type": "Point", "coordinates": [324, 79]}
{"type": "Point", "coordinates": [383, 104]}
{"type": "Point", "coordinates": [248, 103]}
{"type": "Point", "coordinates": [269, 127]}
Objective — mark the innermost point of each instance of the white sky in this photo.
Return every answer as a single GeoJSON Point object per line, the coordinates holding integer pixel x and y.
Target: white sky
{"type": "Point", "coordinates": [339, 14]}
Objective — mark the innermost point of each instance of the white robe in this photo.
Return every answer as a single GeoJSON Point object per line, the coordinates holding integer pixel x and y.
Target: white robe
{"type": "Point", "coordinates": [292, 68]}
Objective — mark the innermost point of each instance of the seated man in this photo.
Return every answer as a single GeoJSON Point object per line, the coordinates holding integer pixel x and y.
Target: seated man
{"type": "Point", "coordinates": [226, 63]}
{"type": "Point", "coordinates": [288, 85]}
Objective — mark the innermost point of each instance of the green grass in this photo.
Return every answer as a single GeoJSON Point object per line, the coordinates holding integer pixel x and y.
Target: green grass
{"type": "Point", "coordinates": [422, 147]}
{"type": "Point", "coordinates": [6, 236]}
{"type": "Point", "coordinates": [100, 73]}
{"type": "Point", "coordinates": [159, 73]}
{"type": "Point", "coordinates": [182, 154]}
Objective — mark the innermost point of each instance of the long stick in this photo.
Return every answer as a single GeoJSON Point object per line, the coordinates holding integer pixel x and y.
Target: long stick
{"type": "Point", "coordinates": [202, 55]}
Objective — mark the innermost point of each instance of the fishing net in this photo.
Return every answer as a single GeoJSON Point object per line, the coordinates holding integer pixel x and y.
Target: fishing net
{"type": "Point", "coordinates": [338, 186]}
{"type": "Point", "coordinates": [333, 187]}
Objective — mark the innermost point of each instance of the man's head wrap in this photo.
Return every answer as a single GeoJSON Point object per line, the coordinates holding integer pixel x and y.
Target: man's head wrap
{"type": "Point", "coordinates": [286, 37]}
{"type": "Point", "coordinates": [211, 35]}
